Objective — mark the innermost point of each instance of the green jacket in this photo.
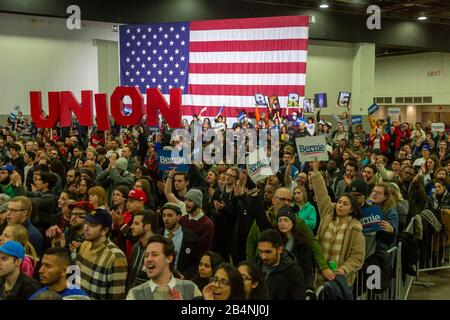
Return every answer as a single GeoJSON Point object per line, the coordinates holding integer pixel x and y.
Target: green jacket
{"type": "Point", "coordinates": [308, 215]}
{"type": "Point", "coordinates": [253, 236]}
{"type": "Point", "coordinates": [9, 189]}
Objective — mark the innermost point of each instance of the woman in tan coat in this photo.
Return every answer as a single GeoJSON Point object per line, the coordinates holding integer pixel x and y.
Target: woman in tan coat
{"type": "Point", "coordinates": [340, 232]}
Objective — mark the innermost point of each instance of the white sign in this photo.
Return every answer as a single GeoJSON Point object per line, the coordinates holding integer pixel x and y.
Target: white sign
{"type": "Point", "coordinates": [258, 166]}
{"type": "Point", "coordinates": [394, 113]}
{"type": "Point", "coordinates": [312, 148]}
{"type": "Point", "coordinates": [310, 128]}
{"type": "Point", "coordinates": [438, 127]}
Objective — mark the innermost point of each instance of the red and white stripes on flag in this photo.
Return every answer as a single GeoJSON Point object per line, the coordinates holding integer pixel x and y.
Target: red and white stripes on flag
{"type": "Point", "coordinates": [231, 60]}
{"type": "Point", "coordinates": [217, 62]}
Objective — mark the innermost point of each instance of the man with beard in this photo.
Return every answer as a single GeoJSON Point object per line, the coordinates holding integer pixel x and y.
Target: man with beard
{"type": "Point", "coordinates": [332, 174]}
{"type": "Point", "coordinates": [102, 264]}
{"type": "Point", "coordinates": [72, 179]}
{"type": "Point", "coordinates": [343, 186]}
{"type": "Point", "coordinates": [74, 235]}
{"type": "Point", "coordinates": [145, 223]}
{"type": "Point", "coordinates": [14, 284]}
{"type": "Point", "coordinates": [284, 276]}
{"type": "Point", "coordinates": [369, 175]}
{"type": "Point", "coordinates": [197, 221]}
{"type": "Point", "coordinates": [53, 274]}
{"type": "Point", "coordinates": [412, 191]}
{"type": "Point", "coordinates": [162, 285]}
{"type": "Point", "coordinates": [185, 241]}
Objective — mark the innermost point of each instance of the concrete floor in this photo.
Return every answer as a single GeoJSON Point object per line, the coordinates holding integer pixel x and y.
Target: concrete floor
{"type": "Point", "coordinates": [440, 290]}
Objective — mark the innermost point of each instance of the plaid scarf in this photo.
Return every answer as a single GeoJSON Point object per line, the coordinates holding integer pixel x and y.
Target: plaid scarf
{"type": "Point", "coordinates": [334, 238]}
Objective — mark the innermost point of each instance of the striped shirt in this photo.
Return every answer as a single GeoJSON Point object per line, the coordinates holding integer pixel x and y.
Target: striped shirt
{"type": "Point", "coordinates": [334, 238]}
{"type": "Point", "coordinates": [103, 270]}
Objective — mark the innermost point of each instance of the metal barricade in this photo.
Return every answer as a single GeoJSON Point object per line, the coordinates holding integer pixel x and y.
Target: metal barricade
{"type": "Point", "coordinates": [403, 281]}
{"type": "Point", "coordinates": [434, 256]}
{"type": "Point", "coordinates": [361, 290]}
{"type": "Point", "coordinates": [320, 293]}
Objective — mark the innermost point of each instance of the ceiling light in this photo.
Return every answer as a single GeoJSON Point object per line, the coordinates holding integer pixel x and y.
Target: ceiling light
{"type": "Point", "coordinates": [422, 18]}
{"type": "Point", "coordinates": [324, 5]}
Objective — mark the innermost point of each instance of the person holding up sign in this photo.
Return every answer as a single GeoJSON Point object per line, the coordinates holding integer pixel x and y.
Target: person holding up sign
{"type": "Point", "coordinates": [340, 232]}
{"type": "Point", "coordinates": [384, 238]}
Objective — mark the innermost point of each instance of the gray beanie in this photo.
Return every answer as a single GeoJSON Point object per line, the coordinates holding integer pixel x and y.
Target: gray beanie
{"type": "Point", "coordinates": [122, 164]}
{"type": "Point", "coordinates": [196, 196]}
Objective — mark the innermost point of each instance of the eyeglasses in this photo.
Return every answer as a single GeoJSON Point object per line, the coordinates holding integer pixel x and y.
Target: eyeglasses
{"type": "Point", "coordinates": [230, 175]}
{"type": "Point", "coordinates": [15, 210]}
{"type": "Point", "coordinates": [79, 214]}
{"type": "Point", "coordinates": [221, 282]}
{"type": "Point", "coordinates": [284, 199]}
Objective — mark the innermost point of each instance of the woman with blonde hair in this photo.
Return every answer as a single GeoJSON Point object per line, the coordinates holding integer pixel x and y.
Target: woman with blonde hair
{"type": "Point", "coordinates": [97, 197]}
{"type": "Point", "coordinates": [383, 239]}
{"type": "Point", "coordinates": [402, 207]}
{"type": "Point", "coordinates": [306, 210]}
{"type": "Point", "coordinates": [17, 232]}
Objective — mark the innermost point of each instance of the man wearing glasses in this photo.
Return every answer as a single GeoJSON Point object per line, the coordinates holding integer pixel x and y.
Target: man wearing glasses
{"type": "Point", "coordinates": [19, 210]}
{"type": "Point", "coordinates": [73, 236]}
{"type": "Point", "coordinates": [281, 198]}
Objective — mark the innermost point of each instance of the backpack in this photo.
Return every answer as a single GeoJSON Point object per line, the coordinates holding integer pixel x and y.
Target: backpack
{"type": "Point", "coordinates": [410, 252]}
{"type": "Point", "coordinates": [337, 289]}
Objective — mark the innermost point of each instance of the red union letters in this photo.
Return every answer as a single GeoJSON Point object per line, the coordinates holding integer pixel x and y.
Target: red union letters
{"type": "Point", "coordinates": [62, 104]}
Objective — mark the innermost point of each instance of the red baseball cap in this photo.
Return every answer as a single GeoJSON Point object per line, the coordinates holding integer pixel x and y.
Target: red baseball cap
{"type": "Point", "coordinates": [85, 205]}
{"type": "Point", "coordinates": [137, 194]}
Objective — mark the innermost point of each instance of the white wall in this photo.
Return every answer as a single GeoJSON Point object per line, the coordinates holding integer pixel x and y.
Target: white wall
{"type": "Point", "coordinates": [407, 75]}
{"type": "Point", "coordinates": [329, 69]}
{"type": "Point", "coordinates": [39, 53]}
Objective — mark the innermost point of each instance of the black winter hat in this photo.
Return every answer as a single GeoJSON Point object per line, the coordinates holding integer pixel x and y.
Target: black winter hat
{"type": "Point", "coordinates": [360, 186]}
{"type": "Point", "coordinates": [287, 211]}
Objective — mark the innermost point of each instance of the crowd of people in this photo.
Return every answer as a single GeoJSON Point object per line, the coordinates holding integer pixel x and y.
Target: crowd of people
{"type": "Point", "coordinates": [82, 206]}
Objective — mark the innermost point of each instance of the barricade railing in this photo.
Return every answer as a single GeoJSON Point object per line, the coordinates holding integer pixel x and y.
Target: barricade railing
{"type": "Point", "coordinates": [404, 281]}
{"type": "Point", "coordinates": [434, 255]}
{"type": "Point", "coordinates": [361, 288]}
{"type": "Point", "coordinates": [399, 285]}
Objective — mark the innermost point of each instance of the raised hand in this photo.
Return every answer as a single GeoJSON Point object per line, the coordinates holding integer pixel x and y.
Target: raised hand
{"type": "Point", "coordinates": [315, 165]}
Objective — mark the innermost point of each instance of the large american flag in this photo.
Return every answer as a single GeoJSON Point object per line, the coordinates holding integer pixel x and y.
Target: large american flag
{"type": "Point", "coordinates": [217, 62]}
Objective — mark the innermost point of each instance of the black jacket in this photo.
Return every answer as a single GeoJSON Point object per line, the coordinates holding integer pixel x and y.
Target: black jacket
{"type": "Point", "coordinates": [286, 282]}
{"type": "Point", "coordinates": [136, 274]}
{"type": "Point", "coordinates": [189, 255]}
{"type": "Point", "coordinates": [47, 203]}
{"type": "Point", "coordinates": [24, 287]}
{"type": "Point", "coordinates": [224, 222]}
{"type": "Point", "coordinates": [303, 256]}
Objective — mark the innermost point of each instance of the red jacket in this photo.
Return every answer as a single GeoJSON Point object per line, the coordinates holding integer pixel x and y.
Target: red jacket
{"type": "Point", "coordinates": [405, 136]}
{"type": "Point", "coordinates": [398, 139]}
{"type": "Point", "coordinates": [118, 232]}
{"type": "Point", "coordinates": [384, 142]}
